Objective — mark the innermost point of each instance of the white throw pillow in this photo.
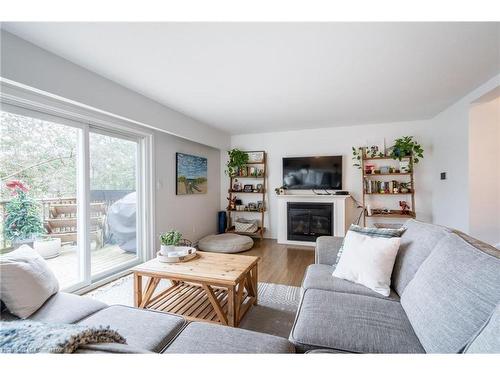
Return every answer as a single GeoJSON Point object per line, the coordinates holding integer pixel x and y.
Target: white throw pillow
{"type": "Point", "coordinates": [26, 281]}
{"type": "Point", "coordinates": [368, 261]}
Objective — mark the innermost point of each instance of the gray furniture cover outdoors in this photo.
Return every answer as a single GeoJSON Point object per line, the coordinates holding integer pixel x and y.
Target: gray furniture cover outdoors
{"type": "Point", "coordinates": [445, 299]}
{"type": "Point", "coordinates": [121, 223]}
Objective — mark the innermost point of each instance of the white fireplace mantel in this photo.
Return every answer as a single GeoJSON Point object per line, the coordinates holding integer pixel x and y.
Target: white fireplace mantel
{"type": "Point", "coordinates": [341, 214]}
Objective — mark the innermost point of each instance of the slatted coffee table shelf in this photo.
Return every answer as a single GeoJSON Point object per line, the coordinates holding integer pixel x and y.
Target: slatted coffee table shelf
{"type": "Point", "coordinates": [192, 302]}
{"type": "Point", "coordinates": [215, 288]}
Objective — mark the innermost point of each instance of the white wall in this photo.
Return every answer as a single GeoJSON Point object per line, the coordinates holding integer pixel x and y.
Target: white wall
{"type": "Point", "coordinates": [194, 215]}
{"type": "Point", "coordinates": [450, 198]}
{"type": "Point", "coordinates": [28, 64]}
{"type": "Point", "coordinates": [336, 141]}
{"type": "Point", "coordinates": [484, 171]}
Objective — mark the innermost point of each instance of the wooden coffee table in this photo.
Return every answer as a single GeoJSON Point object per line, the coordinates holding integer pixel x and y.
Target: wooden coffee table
{"type": "Point", "coordinates": [216, 288]}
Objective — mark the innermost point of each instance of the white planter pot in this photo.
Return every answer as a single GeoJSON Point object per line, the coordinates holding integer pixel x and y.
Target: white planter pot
{"type": "Point", "coordinates": [48, 249]}
{"type": "Point", "coordinates": [165, 249]}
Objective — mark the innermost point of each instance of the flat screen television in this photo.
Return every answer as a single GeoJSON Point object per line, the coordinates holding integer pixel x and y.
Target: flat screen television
{"type": "Point", "coordinates": [313, 172]}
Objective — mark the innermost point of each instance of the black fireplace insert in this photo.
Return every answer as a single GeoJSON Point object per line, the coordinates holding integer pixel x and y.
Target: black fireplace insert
{"type": "Point", "coordinates": [308, 221]}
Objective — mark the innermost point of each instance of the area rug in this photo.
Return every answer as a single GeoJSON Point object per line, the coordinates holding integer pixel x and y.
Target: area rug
{"type": "Point", "coordinates": [274, 313]}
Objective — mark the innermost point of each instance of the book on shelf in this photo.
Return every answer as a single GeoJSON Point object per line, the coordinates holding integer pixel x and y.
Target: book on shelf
{"type": "Point", "coordinates": [384, 187]}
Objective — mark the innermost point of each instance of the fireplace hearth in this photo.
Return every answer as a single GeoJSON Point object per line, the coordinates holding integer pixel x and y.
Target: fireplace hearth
{"type": "Point", "coordinates": [308, 221]}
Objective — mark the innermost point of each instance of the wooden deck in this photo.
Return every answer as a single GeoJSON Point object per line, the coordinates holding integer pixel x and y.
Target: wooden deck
{"type": "Point", "coordinates": [66, 267]}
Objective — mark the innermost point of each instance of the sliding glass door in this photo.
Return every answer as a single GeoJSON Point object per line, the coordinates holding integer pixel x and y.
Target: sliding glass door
{"type": "Point", "coordinates": [113, 178]}
{"type": "Point", "coordinates": [83, 186]}
{"type": "Point", "coordinates": [38, 207]}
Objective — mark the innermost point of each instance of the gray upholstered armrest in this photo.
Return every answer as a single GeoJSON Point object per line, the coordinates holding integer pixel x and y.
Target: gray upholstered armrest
{"type": "Point", "coordinates": [327, 248]}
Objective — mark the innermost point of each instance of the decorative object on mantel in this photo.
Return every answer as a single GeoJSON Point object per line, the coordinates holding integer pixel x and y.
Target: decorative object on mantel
{"type": "Point", "coordinates": [249, 165]}
{"type": "Point", "coordinates": [280, 190]}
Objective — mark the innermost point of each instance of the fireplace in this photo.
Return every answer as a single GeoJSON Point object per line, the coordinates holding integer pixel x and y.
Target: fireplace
{"type": "Point", "coordinates": [308, 221]}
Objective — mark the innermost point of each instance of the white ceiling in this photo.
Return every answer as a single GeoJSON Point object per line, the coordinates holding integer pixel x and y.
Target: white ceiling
{"type": "Point", "coordinates": [252, 77]}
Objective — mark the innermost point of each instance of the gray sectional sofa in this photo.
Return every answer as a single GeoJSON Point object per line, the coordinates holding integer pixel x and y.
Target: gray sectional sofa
{"type": "Point", "coordinates": [445, 299]}
{"type": "Point", "coordinates": [148, 331]}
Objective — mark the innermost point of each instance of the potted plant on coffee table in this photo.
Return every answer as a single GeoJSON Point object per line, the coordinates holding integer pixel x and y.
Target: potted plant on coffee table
{"type": "Point", "coordinates": [169, 240]}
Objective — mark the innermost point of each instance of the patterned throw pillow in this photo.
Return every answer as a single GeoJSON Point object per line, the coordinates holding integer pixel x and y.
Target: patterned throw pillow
{"type": "Point", "coordinates": [372, 232]}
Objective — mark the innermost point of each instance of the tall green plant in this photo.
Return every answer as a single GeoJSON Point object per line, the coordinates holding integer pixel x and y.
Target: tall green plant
{"type": "Point", "coordinates": [22, 215]}
{"type": "Point", "coordinates": [237, 159]}
{"type": "Point", "coordinates": [407, 146]}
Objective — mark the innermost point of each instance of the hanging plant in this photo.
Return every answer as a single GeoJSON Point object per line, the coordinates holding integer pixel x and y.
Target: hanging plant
{"type": "Point", "coordinates": [406, 146]}
{"type": "Point", "coordinates": [357, 154]}
{"type": "Point", "coordinates": [237, 159]}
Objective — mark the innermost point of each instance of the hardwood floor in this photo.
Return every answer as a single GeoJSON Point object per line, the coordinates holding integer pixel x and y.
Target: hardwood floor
{"type": "Point", "coordinates": [281, 264]}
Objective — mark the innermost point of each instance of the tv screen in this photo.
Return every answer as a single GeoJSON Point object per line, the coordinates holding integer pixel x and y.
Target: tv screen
{"type": "Point", "coordinates": [315, 172]}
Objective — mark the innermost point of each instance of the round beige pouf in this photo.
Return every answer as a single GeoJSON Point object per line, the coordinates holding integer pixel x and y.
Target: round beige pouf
{"type": "Point", "coordinates": [225, 243]}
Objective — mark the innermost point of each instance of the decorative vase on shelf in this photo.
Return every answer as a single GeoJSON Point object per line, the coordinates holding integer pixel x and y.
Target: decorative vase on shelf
{"type": "Point", "coordinates": [404, 166]}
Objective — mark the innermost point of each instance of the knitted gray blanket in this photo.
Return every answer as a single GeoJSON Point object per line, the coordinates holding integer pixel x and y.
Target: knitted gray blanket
{"type": "Point", "coordinates": [27, 336]}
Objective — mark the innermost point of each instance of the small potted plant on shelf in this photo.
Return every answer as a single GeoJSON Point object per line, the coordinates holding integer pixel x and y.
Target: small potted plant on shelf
{"type": "Point", "coordinates": [23, 221]}
{"type": "Point", "coordinates": [404, 187]}
{"type": "Point", "coordinates": [237, 159]}
{"type": "Point", "coordinates": [169, 240]}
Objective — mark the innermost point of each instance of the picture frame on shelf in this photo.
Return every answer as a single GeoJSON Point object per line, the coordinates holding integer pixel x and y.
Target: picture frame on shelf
{"type": "Point", "coordinates": [237, 186]}
{"type": "Point", "coordinates": [248, 188]}
{"type": "Point", "coordinates": [252, 206]}
{"type": "Point", "coordinates": [260, 188]}
{"type": "Point", "coordinates": [255, 157]}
